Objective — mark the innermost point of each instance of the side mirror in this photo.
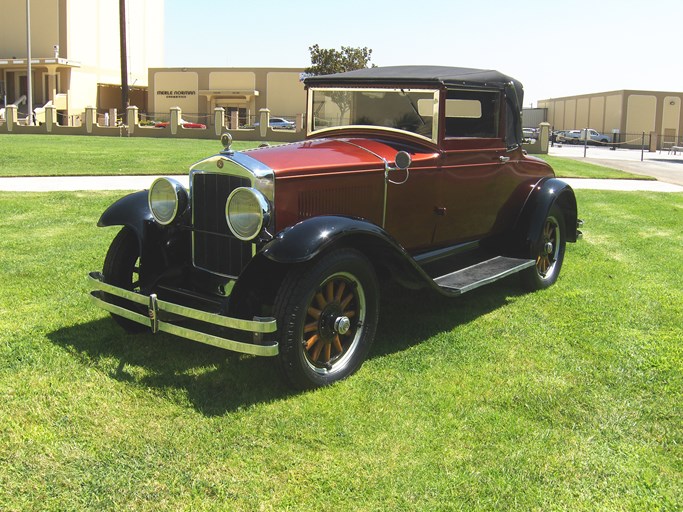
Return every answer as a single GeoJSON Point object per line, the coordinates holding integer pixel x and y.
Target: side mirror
{"type": "Point", "coordinates": [403, 160]}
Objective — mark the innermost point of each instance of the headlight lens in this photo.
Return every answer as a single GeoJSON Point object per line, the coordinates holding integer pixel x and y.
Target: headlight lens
{"type": "Point", "coordinates": [166, 199]}
{"type": "Point", "coordinates": [246, 211]}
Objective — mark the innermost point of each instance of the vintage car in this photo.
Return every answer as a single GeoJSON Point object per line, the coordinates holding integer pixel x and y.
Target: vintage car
{"type": "Point", "coordinates": [413, 174]}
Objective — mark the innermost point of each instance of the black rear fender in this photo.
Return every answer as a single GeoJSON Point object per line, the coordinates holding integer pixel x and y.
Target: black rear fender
{"type": "Point", "coordinates": [544, 195]}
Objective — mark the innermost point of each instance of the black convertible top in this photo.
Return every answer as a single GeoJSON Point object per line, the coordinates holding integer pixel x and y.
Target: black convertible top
{"type": "Point", "coordinates": [436, 76]}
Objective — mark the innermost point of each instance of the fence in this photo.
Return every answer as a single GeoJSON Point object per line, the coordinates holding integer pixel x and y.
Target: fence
{"type": "Point", "coordinates": [650, 141]}
{"type": "Point", "coordinates": [163, 125]}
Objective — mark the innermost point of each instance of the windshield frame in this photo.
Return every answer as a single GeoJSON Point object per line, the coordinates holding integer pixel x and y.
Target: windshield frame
{"type": "Point", "coordinates": [374, 128]}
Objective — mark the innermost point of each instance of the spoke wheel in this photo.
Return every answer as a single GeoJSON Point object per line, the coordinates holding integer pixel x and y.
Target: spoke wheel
{"type": "Point", "coordinates": [549, 247]}
{"type": "Point", "coordinates": [334, 322]}
{"type": "Point", "coordinates": [548, 252]}
{"type": "Point", "coordinates": [327, 316]}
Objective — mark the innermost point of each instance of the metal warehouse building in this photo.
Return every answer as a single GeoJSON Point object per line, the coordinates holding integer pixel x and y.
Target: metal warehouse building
{"type": "Point", "coordinates": [629, 113]}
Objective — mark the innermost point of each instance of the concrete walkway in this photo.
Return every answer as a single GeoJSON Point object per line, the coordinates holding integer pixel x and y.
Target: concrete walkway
{"type": "Point", "coordinates": [85, 183]}
{"type": "Point", "coordinates": [73, 183]}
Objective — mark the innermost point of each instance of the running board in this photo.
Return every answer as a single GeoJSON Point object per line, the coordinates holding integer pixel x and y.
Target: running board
{"type": "Point", "coordinates": [457, 283]}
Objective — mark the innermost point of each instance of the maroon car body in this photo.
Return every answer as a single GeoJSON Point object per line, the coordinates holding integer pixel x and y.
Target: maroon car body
{"type": "Point", "coordinates": [410, 173]}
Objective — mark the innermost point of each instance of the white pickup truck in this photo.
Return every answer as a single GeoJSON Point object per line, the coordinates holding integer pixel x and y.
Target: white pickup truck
{"type": "Point", "coordinates": [578, 136]}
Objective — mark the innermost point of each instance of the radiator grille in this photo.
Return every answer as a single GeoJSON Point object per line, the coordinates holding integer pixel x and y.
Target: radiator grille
{"type": "Point", "coordinates": [215, 248]}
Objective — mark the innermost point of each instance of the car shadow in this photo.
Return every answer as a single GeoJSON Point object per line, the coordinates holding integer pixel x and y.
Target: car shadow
{"type": "Point", "coordinates": [215, 381]}
{"type": "Point", "coordinates": [406, 318]}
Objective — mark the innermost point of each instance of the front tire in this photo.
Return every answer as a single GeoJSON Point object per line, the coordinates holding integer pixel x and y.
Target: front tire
{"type": "Point", "coordinates": [121, 268]}
{"type": "Point", "coordinates": [327, 316]}
{"type": "Point", "coordinates": [548, 252]}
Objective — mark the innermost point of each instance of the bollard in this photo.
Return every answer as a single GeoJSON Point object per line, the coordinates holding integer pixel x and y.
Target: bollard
{"type": "Point", "coordinates": [11, 117]}
{"type": "Point", "coordinates": [642, 148]}
{"type": "Point", "coordinates": [50, 117]}
{"type": "Point", "coordinates": [218, 120]}
{"type": "Point", "coordinates": [176, 116]}
{"type": "Point", "coordinates": [264, 122]}
{"type": "Point", "coordinates": [132, 118]}
{"type": "Point", "coordinates": [90, 118]}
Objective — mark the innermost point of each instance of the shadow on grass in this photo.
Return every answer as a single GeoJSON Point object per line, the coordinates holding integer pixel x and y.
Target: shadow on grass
{"type": "Point", "coordinates": [215, 381]}
{"type": "Point", "coordinates": [408, 317]}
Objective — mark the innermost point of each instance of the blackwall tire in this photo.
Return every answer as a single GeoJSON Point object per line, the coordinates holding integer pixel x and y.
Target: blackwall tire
{"type": "Point", "coordinates": [327, 318]}
{"type": "Point", "coordinates": [548, 252]}
{"type": "Point", "coordinates": [121, 266]}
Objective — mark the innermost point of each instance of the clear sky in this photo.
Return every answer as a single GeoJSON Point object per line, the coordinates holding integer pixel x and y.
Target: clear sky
{"type": "Point", "coordinates": [555, 48]}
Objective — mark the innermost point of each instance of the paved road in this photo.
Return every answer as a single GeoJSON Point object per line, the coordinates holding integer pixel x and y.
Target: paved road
{"type": "Point", "coordinates": [661, 165]}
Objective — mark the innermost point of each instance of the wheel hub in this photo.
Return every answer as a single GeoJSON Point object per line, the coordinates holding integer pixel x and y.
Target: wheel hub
{"type": "Point", "coordinates": [548, 248]}
{"type": "Point", "coordinates": [342, 324]}
{"type": "Point", "coordinates": [331, 322]}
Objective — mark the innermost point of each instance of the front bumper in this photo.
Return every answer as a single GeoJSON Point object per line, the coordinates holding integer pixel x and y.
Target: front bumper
{"type": "Point", "coordinates": [157, 308]}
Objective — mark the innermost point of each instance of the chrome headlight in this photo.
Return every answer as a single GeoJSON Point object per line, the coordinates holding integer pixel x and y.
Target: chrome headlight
{"type": "Point", "coordinates": [246, 211]}
{"type": "Point", "coordinates": [167, 198]}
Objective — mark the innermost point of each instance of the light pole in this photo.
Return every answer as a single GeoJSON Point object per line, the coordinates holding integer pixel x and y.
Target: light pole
{"type": "Point", "coordinates": [29, 84]}
{"type": "Point", "coordinates": [124, 58]}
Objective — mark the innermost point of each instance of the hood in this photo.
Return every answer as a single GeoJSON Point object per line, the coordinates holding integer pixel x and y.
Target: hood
{"type": "Point", "coordinates": [327, 155]}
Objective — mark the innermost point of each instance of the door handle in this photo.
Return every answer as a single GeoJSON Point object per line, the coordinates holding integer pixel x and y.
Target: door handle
{"type": "Point", "coordinates": [504, 159]}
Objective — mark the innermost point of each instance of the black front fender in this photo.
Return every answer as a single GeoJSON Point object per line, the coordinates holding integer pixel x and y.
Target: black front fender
{"type": "Point", "coordinates": [305, 240]}
{"type": "Point", "coordinates": [309, 238]}
{"type": "Point", "coordinates": [131, 210]}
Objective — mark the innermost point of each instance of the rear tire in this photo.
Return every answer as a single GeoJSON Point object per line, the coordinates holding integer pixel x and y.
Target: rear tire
{"type": "Point", "coordinates": [547, 251]}
{"type": "Point", "coordinates": [121, 269]}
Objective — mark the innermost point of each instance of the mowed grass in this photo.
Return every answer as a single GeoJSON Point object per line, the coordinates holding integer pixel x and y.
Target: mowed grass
{"type": "Point", "coordinates": [62, 155]}
{"type": "Point", "coordinates": [570, 168]}
{"type": "Point", "coordinates": [564, 399]}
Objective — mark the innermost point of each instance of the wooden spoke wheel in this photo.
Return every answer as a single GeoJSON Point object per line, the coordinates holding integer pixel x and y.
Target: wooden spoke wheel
{"type": "Point", "coordinates": [327, 316]}
{"type": "Point", "coordinates": [334, 322]}
{"type": "Point", "coordinates": [548, 251]}
{"type": "Point", "coordinates": [549, 248]}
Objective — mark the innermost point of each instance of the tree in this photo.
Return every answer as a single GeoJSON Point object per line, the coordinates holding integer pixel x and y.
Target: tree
{"type": "Point", "coordinates": [326, 61]}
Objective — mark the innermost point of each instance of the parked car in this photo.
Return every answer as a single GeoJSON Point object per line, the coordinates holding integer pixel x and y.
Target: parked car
{"type": "Point", "coordinates": [595, 136]}
{"type": "Point", "coordinates": [279, 122]}
{"type": "Point", "coordinates": [558, 135]}
{"type": "Point", "coordinates": [409, 174]}
{"type": "Point", "coordinates": [570, 137]}
{"type": "Point", "coordinates": [579, 137]}
{"type": "Point", "coordinates": [529, 133]}
{"type": "Point", "coordinates": [184, 124]}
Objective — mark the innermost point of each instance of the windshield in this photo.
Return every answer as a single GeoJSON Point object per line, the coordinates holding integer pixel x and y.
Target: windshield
{"type": "Point", "coordinates": [404, 110]}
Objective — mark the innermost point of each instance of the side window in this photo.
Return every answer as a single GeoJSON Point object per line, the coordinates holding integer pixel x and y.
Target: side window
{"type": "Point", "coordinates": [472, 113]}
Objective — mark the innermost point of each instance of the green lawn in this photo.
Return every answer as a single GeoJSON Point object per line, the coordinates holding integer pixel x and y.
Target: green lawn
{"type": "Point", "coordinates": [55, 155]}
{"type": "Point", "coordinates": [565, 399]}
{"type": "Point", "coordinates": [62, 155]}
{"type": "Point", "coordinates": [570, 168]}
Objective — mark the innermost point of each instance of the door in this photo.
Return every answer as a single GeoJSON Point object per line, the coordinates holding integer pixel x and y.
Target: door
{"type": "Point", "coordinates": [411, 202]}
{"type": "Point", "coordinates": [477, 174]}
